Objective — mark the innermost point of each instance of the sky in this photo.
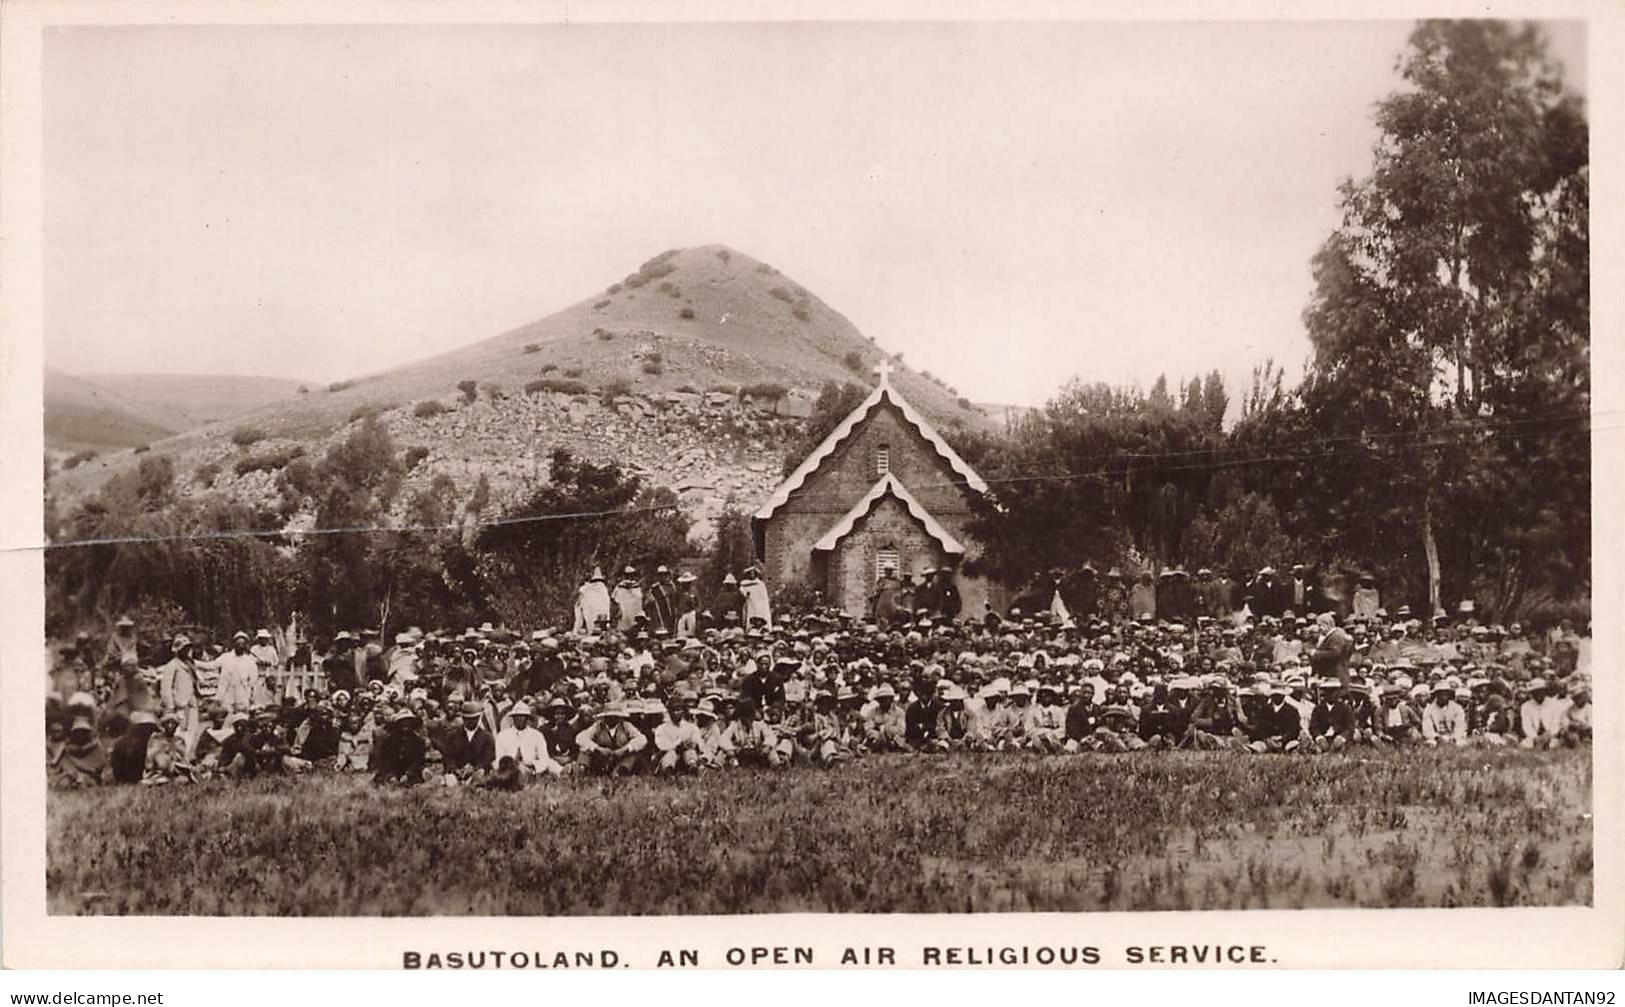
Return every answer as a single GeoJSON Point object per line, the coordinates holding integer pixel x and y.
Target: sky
{"type": "Point", "coordinates": [1009, 205]}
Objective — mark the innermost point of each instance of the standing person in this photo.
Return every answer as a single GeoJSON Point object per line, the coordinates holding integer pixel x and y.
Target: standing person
{"type": "Point", "coordinates": [728, 608]}
{"type": "Point", "coordinates": [627, 600]}
{"type": "Point", "coordinates": [1333, 648]}
{"type": "Point", "coordinates": [884, 608]}
{"type": "Point", "coordinates": [268, 660]}
{"type": "Point", "coordinates": [757, 605]}
{"type": "Point", "coordinates": [592, 605]}
{"type": "Point", "coordinates": [239, 675]}
{"type": "Point", "coordinates": [338, 666]}
{"type": "Point", "coordinates": [660, 602]}
{"type": "Point", "coordinates": [122, 647]}
{"type": "Point", "coordinates": [949, 602]}
{"type": "Point", "coordinates": [178, 691]}
{"type": "Point", "coordinates": [70, 674]}
{"type": "Point", "coordinates": [687, 606]}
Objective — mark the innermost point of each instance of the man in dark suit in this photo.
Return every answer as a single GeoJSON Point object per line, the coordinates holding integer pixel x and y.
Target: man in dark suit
{"type": "Point", "coordinates": [470, 748]}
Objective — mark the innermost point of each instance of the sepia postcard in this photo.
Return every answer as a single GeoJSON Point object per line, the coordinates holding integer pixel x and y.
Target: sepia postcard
{"type": "Point", "coordinates": [498, 487]}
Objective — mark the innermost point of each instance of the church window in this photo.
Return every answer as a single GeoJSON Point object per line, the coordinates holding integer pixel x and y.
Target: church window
{"type": "Point", "coordinates": [882, 460]}
{"type": "Point", "coordinates": [886, 562]}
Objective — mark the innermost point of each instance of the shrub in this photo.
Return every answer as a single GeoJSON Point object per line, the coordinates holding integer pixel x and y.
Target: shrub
{"type": "Point", "coordinates": [427, 408]}
{"type": "Point", "coordinates": [572, 372]}
{"type": "Point", "coordinates": [604, 335]}
{"type": "Point", "coordinates": [667, 287]}
{"type": "Point", "coordinates": [686, 313]}
{"type": "Point", "coordinates": [653, 366]}
{"type": "Point", "coordinates": [964, 403]}
{"type": "Point", "coordinates": [724, 254]}
{"type": "Point", "coordinates": [205, 475]}
{"type": "Point", "coordinates": [73, 461]}
{"type": "Point", "coordinates": [495, 393]}
{"type": "Point", "coordinates": [690, 389]}
{"type": "Point", "coordinates": [614, 288]}
{"type": "Point", "coordinates": [141, 449]}
{"type": "Point", "coordinates": [600, 305]}
{"type": "Point", "coordinates": [764, 390]}
{"type": "Point", "coordinates": [470, 389]}
{"type": "Point", "coordinates": [269, 461]}
{"type": "Point", "coordinates": [366, 411]}
{"type": "Point", "coordinates": [245, 435]}
{"type": "Point", "coordinates": [615, 389]}
{"type": "Point", "coordinates": [636, 280]}
{"type": "Point", "coordinates": [853, 360]}
{"type": "Point", "coordinates": [560, 386]}
{"type": "Point", "coordinates": [304, 390]}
{"type": "Point", "coordinates": [339, 386]}
{"type": "Point", "coordinates": [801, 313]}
{"type": "Point", "coordinates": [533, 348]}
{"type": "Point", "coordinates": [655, 356]}
{"type": "Point", "coordinates": [413, 456]}
{"type": "Point", "coordinates": [762, 267]}
{"type": "Point", "coordinates": [781, 294]}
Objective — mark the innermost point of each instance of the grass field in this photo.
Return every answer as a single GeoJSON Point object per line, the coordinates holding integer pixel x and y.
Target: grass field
{"type": "Point", "coordinates": [894, 834]}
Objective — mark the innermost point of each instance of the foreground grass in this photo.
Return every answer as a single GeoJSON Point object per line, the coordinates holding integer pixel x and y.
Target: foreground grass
{"type": "Point", "coordinates": [895, 834]}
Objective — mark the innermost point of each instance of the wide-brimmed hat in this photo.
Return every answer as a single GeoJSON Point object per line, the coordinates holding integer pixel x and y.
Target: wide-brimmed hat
{"type": "Point", "coordinates": [472, 709]}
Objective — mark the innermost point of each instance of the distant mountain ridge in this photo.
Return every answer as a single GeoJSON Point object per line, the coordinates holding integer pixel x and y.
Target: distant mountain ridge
{"type": "Point", "coordinates": [112, 411]}
{"type": "Point", "coordinates": [690, 369]}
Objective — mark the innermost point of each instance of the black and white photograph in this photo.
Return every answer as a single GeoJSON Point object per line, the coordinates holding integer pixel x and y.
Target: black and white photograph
{"type": "Point", "coordinates": [733, 469]}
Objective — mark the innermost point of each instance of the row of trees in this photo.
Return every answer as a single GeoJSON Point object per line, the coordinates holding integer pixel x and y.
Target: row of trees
{"type": "Point", "coordinates": [367, 558]}
{"type": "Point", "coordinates": [1440, 435]}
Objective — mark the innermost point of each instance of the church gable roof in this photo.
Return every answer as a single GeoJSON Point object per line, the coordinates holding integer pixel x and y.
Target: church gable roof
{"type": "Point", "coordinates": [883, 392]}
{"type": "Point", "coordinates": [888, 485]}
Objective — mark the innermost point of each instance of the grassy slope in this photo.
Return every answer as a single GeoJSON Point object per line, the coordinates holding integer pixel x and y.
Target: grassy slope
{"type": "Point", "coordinates": [123, 410]}
{"type": "Point", "coordinates": [896, 834]}
{"type": "Point", "coordinates": [741, 333]}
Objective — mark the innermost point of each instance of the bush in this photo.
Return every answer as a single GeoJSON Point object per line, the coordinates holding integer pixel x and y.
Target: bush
{"type": "Point", "coordinates": [427, 408]}
{"type": "Point", "coordinates": [615, 389]}
{"type": "Point", "coordinates": [269, 461]}
{"type": "Point", "coordinates": [244, 436]}
{"type": "Point", "coordinates": [549, 368]}
{"type": "Point", "coordinates": [614, 288]}
{"type": "Point", "coordinates": [802, 313]}
{"type": "Point", "coordinates": [667, 287]}
{"type": "Point", "coordinates": [724, 254]}
{"type": "Point", "coordinates": [653, 366]}
{"type": "Point", "coordinates": [558, 386]}
{"type": "Point", "coordinates": [533, 348]}
{"type": "Point", "coordinates": [304, 390]}
{"type": "Point", "coordinates": [762, 267]}
{"type": "Point", "coordinates": [853, 361]}
{"type": "Point", "coordinates": [414, 456]}
{"type": "Point", "coordinates": [781, 294]}
{"type": "Point", "coordinates": [572, 372]}
{"type": "Point", "coordinates": [73, 461]}
{"type": "Point", "coordinates": [655, 356]}
{"type": "Point", "coordinates": [600, 305]}
{"type": "Point", "coordinates": [470, 389]}
{"type": "Point", "coordinates": [141, 449]}
{"type": "Point", "coordinates": [964, 403]}
{"type": "Point", "coordinates": [604, 335]}
{"type": "Point", "coordinates": [205, 475]}
{"type": "Point", "coordinates": [339, 386]}
{"type": "Point", "coordinates": [688, 389]}
{"type": "Point", "coordinates": [366, 411]}
{"type": "Point", "coordinates": [686, 313]}
{"type": "Point", "coordinates": [764, 390]}
{"type": "Point", "coordinates": [495, 393]}
{"type": "Point", "coordinates": [636, 280]}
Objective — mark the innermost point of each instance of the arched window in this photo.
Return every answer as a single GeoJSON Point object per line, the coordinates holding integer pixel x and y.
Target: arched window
{"type": "Point", "coordinates": [882, 460]}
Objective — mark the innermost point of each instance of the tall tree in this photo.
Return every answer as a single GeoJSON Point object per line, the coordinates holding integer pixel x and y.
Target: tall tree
{"type": "Point", "coordinates": [1449, 314]}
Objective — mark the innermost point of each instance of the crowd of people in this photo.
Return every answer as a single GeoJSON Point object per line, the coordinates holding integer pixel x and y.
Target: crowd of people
{"type": "Point", "coordinates": [638, 680]}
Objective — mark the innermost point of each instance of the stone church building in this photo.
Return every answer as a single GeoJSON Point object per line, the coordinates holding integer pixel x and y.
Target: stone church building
{"type": "Point", "coordinates": [883, 493]}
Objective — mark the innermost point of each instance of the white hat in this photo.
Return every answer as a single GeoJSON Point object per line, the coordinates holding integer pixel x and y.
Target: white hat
{"type": "Point", "coordinates": [264, 632]}
{"type": "Point", "coordinates": [520, 709]}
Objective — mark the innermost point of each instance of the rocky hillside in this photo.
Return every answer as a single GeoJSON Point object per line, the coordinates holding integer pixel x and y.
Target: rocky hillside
{"type": "Point", "coordinates": [696, 370]}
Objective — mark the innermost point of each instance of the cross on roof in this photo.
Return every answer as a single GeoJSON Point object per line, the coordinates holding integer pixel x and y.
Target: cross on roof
{"type": "Point", "coordinates": [884, 370]}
